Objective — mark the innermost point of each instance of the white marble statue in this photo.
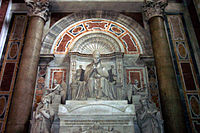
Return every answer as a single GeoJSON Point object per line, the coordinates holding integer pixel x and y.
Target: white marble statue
{"type": "Point", "coordinates": [133, 89]}
{"type": "Point", "coordinates": [112, 75]}
{"type": "Point", "coordinates": [96, 78]}
{"type": "Point", "coordinates": [59, 89]}
{"type": "Point", "coordinates": [149, 118]}
{"type": "Point", "coordinates": [80, 73]}
{"type": "Point", "coordinates": [78, 85]}
{"type": "Point", "coordinates": [129, 89]}
{"type": "Point", "coordinates": [43, 116]}
{"type": "Point", "coordinates": [136, 88]}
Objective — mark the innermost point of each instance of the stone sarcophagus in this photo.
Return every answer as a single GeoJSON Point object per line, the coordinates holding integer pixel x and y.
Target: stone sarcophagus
{"type": "Point", "coordinates": [96, 117]}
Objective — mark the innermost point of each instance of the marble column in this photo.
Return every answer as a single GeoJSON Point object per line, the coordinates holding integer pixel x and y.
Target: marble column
{"type": "Point", "coordinates": [173, 113]}
{"type": "Point", "coordinates": [20, 110]}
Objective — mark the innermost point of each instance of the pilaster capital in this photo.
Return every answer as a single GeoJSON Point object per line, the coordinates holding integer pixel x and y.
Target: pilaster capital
{"type": "Point", "coordinates": [38, 8]}
{"type": "Point", "coordinates": [153, 8]}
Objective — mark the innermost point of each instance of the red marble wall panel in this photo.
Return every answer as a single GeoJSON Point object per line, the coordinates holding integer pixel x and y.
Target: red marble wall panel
{"type": "Point", "coordinates": [153, 85]}
{"type": "Point", "coordinates": [58, 74]}
{"type": "Point", "coordinates": [40, 85]}
{"type": "Point", "coordinates": [96, 25]}
{"type": "Point", "coordinates": [7, 77]}
{"type": "Point", "coordinates": [186, 69]}
{"type": "Point", "coordinates": [135, 74]}
{"type": "Point", "coordinates": [65, 40]}
{"type": "Point", "coordinates": [10, 62]}
{"type": "Point", "coordinates": [188, 76]}
{"type": "Point", "coordinates": [62, 45]}
{"type": "Point", "coordinates": [3, 10]}
{"type": "Point", "coordinates": [129, 42]}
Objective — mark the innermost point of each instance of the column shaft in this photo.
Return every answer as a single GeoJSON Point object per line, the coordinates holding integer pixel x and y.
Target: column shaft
{"type": "Point", "coordinates": [173, 116]}
{"type": "Point", "coordinates": [20, 110]}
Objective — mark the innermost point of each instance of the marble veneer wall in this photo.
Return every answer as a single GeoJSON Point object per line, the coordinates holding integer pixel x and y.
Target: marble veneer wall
{"type": "Point", "coordinates": [186, 69]}
{"type": "Point", "coordinates": [184, 62]}
{"type": "Point", "coordinates": [9, 64]}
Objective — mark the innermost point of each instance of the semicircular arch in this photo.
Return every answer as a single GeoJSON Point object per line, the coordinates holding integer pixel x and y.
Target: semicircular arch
{"type": "Point", "coordinates": [104, 42]}
{"type": "Point", "coordinates": [124, 33]}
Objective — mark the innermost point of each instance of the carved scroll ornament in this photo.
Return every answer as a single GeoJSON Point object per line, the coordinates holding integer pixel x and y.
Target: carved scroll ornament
{"type": "Point", "coordinates": [38, 8]}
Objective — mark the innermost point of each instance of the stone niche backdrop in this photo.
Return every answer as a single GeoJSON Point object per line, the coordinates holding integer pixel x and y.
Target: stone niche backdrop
{"type": "Point", "coordinates": [121, 41]}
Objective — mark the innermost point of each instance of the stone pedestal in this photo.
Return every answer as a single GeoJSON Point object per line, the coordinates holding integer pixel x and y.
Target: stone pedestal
{"type": "Point", "coordinates": [98, 116]}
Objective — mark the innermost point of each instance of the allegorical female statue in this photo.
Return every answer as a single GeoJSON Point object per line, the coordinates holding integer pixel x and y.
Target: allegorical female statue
{"type": "Point", "coordinates": [43, 116]}
{"type": "Point", "coordinates": [79, 91]}
{"type": "Point", "coordinates": [59, 89]}
{"type": "Point", "coordinates": [149, 118]}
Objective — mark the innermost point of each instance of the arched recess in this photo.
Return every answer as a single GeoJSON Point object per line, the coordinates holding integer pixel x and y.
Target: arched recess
{"type": "Point", "coordinates": [82, 36]}
{"type": "Point", "coordinates": [85, 31]}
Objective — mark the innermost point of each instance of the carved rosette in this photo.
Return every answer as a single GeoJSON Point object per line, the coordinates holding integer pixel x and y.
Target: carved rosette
{"type": "Point", "coordinates": [154, 8]}
{"type": "Point", "coordinates": [38, 8]}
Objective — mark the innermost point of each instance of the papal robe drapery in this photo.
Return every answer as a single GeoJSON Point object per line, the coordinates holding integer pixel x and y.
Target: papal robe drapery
{"type": "Point", "coordinates": [96, 77]}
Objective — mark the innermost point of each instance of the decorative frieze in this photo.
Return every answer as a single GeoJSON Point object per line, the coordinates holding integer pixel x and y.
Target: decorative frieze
{"type": "Point", "coordinates": [38, 8]}
{"type": "Point", "coordinates": [153, 8]}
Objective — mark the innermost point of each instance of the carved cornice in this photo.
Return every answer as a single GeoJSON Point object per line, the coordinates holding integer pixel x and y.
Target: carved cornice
{"type": "Point", "coordinates": [153, 8]}
{"type": "Point", "coordinates": [38, 8]}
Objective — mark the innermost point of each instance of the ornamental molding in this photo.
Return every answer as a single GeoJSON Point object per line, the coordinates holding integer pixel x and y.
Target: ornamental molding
{"type": "Point", "coordinates": [154, 8]}
{"type": "Point", "coordinates": [38, 8]}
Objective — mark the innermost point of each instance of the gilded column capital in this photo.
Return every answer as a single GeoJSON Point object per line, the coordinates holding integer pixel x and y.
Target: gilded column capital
{"type": "Point", "coordinates": [153, 8]}
{"type": "Point", "coordinates": [38, 8]}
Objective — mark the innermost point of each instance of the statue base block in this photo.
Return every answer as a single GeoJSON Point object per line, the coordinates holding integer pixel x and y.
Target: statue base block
{"type": "Point", "coordinates": [96, 116]}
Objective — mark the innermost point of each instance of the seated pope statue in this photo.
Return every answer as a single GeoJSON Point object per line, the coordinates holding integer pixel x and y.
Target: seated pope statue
{"type": "Point", "coordinates": [96, 78]}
